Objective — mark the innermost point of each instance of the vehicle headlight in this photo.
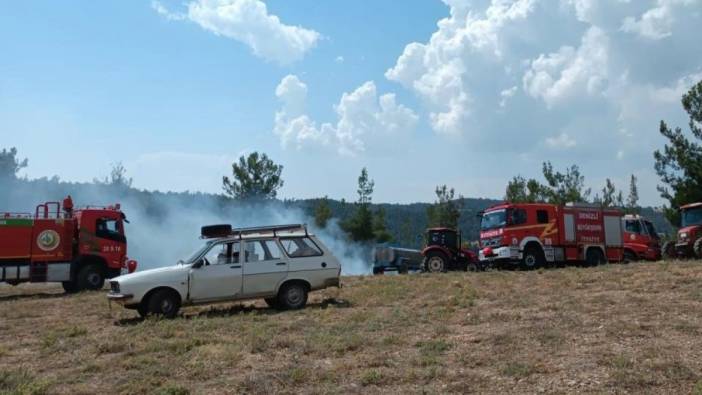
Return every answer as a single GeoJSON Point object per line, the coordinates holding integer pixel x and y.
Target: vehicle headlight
{"type": "Point", "coordinates": [114, 287]}
{"type": "Point", "coordinates": [683, 236]}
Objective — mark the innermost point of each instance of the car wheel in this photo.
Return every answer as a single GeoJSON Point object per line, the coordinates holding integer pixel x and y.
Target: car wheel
{"type": "Point", "coordinates": [668, 250]}
{"type": "Point", "coordinates": [272, 303]}
{"type": "Point", "coordinates": [91, 278]}
{"type": "Point", "coordinates": [69, 287]}
{"type": "Point", "coordinates": [532, 258]}
{"type": "Point", "coordinates": [697, 248]}
{"type": "Point", "coordinates": [292, 296]}
{"type": "Point", "coordinates": [594, 257]}
{"type": "Point", "coordinates": [164, 303]}
{"type": "Point", "coordinates": [435, 262]}
{"type": "Point", "coordinates": [143, 310]}
{"type": "Point", "coordinates": [630, 256]}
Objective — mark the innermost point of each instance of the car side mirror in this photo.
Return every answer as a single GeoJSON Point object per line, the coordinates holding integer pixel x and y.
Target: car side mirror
{"type": "Point", "coordinates": [199, 263]}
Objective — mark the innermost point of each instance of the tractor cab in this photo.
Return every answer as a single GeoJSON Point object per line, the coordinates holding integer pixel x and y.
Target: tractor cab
{"type": "Point", "coordinates": [689, 240]}
{"type": "Point", "coordinates": [444, 237]}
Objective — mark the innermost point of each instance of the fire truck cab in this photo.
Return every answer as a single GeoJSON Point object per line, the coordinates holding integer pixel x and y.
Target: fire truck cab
{"type": "Point", "coordinates": [641, 242]}
{"type": "Point", "coordinates": [78, 248]}
{"type": "Point", "coordinates": [534, 234]}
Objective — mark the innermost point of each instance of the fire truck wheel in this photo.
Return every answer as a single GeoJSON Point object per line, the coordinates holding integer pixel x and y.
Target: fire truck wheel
{"type": "Point", "coordinates": [70, 287]}
{"type": "Point", "coordinates": [533, 258]}
{"type": "Point", "coordinates": [594, 257]}
{"type": "Point", "coordinates": [435, 262]}
{"type": "Point", "coordinates": [669, 250]}
{"type": "Point", "coordinates": [90, 277]}
{"type": "Point", "coordinates": [630, 256]}
{"type": "Point", "coordinates": [164, 303]}
{"type": "Point", "coordinates": [697, 248]}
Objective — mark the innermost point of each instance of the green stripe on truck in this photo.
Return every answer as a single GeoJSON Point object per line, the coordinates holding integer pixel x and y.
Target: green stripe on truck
{"type": "Point", "coordinates": [16, 222]}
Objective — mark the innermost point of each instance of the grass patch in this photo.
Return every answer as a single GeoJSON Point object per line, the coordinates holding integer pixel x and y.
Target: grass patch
{"type": "Point", "coordinates": [518, 369]}
{"type": "Point", "coordinates": [22, 382]}
{"type": "Point", "coordinates": [371, 377]}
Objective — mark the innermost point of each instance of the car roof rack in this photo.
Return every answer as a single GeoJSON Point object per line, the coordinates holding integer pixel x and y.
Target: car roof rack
{"type": "Point", "coordinates": [266, 229]}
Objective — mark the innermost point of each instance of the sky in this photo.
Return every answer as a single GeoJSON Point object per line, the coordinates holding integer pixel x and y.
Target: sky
{"type": "Point", "coordinates": [421, 92]}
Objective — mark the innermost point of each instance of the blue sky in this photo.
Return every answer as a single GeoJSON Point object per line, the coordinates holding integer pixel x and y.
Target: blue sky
{"type": "Point", "coordinates": [458, 92]}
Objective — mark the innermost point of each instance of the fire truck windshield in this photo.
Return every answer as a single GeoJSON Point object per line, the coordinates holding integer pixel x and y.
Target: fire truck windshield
{"type": "Point", "coordinates": [493, 219]}
{"type": "Point", "coordinates": [692, 217]}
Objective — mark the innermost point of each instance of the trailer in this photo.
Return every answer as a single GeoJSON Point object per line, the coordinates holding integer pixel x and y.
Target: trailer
{"type": "Point", "coordinates": [532, 235]}
{"type": "Point", "coordinates": [401, 260]}
{"type": "Point", "coordinates": [78, 248]}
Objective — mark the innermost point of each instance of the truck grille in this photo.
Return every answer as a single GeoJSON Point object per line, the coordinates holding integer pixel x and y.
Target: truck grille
{"type": "Point", "coordinates": [114, 287]}
{"type": "Point", "coordinates": [494, 242]}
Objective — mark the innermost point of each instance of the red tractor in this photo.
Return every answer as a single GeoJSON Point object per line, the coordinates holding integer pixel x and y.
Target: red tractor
{"type": "Point", "coordinates": [444, 252]}
{"type": "Point", "coordinates": [689, 239]}
{"type": "Point", "coordinates": [78, 248]}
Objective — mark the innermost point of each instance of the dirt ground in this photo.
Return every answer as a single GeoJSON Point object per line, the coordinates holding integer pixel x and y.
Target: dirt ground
{"type": "Point", "coordinates": [614, 329]}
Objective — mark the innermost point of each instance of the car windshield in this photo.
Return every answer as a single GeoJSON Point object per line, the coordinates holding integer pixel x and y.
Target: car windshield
{"type": "Point", "coordinates": [196, 254]}
{"type": "Point", "coordinates": [651, 230]}
{"type": "Point", "coordinates": [493, 219]}
{"type": "Point", "coordinates": [692, 216]}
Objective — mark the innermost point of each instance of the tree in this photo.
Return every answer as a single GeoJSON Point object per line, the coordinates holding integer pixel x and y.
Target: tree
{"type": "Point", "coordinates": [610, 197]}
{"type": "Point", "coordinates": [322, 213]}
{"type": "Point", "coordinates": [118, 177]}
{"type": "Point", "coordinates": [565, 187]}
{"type": "Point", "coordinates": [254, 177]}
{"type": "Point", "coordinates": [446, 210]}
{"type": "Point", "coordinates": [10, 165]}
{"type": "Point", "coordinates": [679, 165]}
{"type": "Point", "coordinates": [360, 225]}
{"type": "Point", "coordinates": [380, 229]}
{"type": "Point", "coordinates": [632, 201]}
{"type": "Point", "coordinates": [520, 190]}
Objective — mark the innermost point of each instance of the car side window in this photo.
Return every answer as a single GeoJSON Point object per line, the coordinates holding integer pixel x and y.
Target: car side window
{"type": "Point", "coordinates": [223, 254]}
{"type": "Point", "coordinates": [262, 250]}
{"type": "Point", "coordinates": [299, 247]}
{"type": "Point", "coordinates": [542, 216]}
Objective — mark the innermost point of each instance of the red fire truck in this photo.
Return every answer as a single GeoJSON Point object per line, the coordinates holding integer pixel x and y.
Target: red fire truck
{"type": "Point", "coordinates": [532, 235]}
{"type": "Point", "coordinates": [78, 248]}
{"type": "Point", "coordinates": [640, 239]}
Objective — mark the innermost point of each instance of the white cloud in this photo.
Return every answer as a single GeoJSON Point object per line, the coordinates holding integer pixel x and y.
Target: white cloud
{"type": "Point", "coordinates": [656, 23]}
{"type": "Point", "coordinates": [562, 141]}
{"type": "Point", "coordinates": [507, 94]}
{"type": "Point", "coordinates": [339, 59]}
{"type": "Point", "coordinates": [248, 22]}
{"type": "Point", "coordinates": [570, 72]}
{"type": "Point", "coordinates": [362, 116]}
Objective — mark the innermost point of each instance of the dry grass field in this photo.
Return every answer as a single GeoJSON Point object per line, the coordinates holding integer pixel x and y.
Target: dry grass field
{"type": "Point", "coordinates": [620, 328]}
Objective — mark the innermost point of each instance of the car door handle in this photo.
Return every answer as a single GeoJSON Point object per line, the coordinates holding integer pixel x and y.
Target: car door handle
{"type": "Point", "coordinates": [235, 267]}
{"type": "Point", "coordinates": [281, 264]}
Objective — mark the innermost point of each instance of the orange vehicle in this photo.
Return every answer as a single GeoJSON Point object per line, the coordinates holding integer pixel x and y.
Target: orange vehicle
{"type": "Point", "coordinates": [534, 234]}
{"type": "Point", "coordinates": [78, 248]}
{"type": "Point", "coordinates": [641, 242]}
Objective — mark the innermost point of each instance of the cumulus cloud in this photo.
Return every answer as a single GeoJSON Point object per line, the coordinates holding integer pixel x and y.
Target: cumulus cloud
{"type": "Point", "coordinates": [657, 22]}
{"type": "Point", "coordinates": [562, 141]}
{"type": "Point", "coordinates": [362, 115]}
{"type": "Point", "coordinates": [249, 22]}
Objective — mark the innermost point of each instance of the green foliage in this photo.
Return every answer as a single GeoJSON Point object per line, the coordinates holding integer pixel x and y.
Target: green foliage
{"type": "Point", "coordinates": [610, 196]}
{"type": "Point", "coordinates": [10, 165]}
{"type": "Point", "coordinates": [679, 165]}
{"type": "Point", "coordinates": [322, 213]}
{"type": "Point", "coordinates": [632, 201]}
{"type": "Point", "coordinates": [520, 190]}
{"type": "Point", "coordinates": [446, 210]}
{"type": "Point", "coordinates": [380, 230]}
{"type": "Point", "coordinates": [565, 187]}
{"type": "Point", "coordinates": [118, 177]}
{"type": "Point", "coordinates": [360, 225]}
{"type": "Point", "coordinates": [254, 177]}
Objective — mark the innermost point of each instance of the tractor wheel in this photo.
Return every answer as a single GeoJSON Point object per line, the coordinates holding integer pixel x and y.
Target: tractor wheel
{"type": "Point", "coordinates": [533, 258]}
{"type": "Point", "coordinates": [90, 277]}
{"type": "Point", "coordinates": [471, 267]}
{"type": "Point", "coordinates": [697, 248]}
{"type": "Point", "coordinates": [630, 256]}
{"type": "Point", "coordinates": [669, 250]}
{"type": "Point", "coordinates": [594, 257]}
{"type": "Point", "coordinates": [164, 303]}
{"type": "Point", "coordinates": [435, 262]}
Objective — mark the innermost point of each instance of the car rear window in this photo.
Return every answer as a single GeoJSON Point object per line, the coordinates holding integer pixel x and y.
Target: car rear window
{"type": "Point", "coordinates": [299, 247]}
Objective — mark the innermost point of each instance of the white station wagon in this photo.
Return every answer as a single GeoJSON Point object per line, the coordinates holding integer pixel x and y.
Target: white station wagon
{"type": "Point", "coordinates": [280, 264]}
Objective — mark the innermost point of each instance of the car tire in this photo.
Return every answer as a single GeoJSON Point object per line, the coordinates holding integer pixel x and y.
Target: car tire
{"type": "Point", "coordinates": [69, 287]}
{"type": "Point", "coordinates": [91, 278]}
{"type": "Point", "coordinates": [594, 257]}
{"type": "Point", "coordinates": [272, 303]}
{"type": "Point", "coordinates": [164, 303]}
{"type": "Point", "coordinates": [435, 262]}
{"type": "Point", "coordinates": [143, 310]}
{"type": "Point", "coordinates": [668, 250]}
{"type": "Point", "coordinates": [292, 296]}
{"type": "Point", "coordinates": [630, 256]}
{"type": "Point", "coordinates": [697, 248]}
{"type": "Point", "coordinates": [532, 258]}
